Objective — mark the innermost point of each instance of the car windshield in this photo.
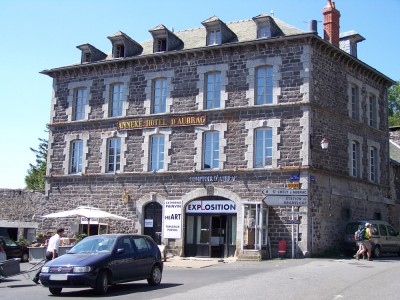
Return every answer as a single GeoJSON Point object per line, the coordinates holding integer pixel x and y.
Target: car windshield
{"type": "Point", "coordinates": [94, 245]}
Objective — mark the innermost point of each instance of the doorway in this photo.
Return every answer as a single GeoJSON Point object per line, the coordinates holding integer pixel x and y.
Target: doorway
{"type": "Point", "coordinates": [153, 221]}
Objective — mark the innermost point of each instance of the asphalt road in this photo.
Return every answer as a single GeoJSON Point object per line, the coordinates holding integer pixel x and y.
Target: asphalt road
{"type": "Point", "coordinates": [273, 279]}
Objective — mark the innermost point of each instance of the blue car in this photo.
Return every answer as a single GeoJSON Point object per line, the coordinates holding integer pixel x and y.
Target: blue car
{"type": "Point", "coordinates": [101, 260]}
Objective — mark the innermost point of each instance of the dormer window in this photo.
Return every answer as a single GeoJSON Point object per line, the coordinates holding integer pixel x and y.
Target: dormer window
{"type": "Point", "coordinates": [119, 51]}
{"type": "Point", "coordinates": [266, 27]}
{"type": "Point", "coordinates": [218, 32]}
{"type": "Point", "coordinates": [164, 39]}
{"type": "Point", "coordinates": [214, 37]}
{"type": "Point", "coordinates": [161, 45]}
{"type": "Point", "coordinates": [90, 53]}
{"type": "Point", "coordinates": [124, 46]}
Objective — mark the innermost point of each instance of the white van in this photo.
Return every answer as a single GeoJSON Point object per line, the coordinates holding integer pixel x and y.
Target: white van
{"type": "Point", "coordinates": [385, 239]}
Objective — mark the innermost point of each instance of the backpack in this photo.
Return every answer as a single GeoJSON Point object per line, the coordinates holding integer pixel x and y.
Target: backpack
{"type": "Point", "coordinates": [359, 235]}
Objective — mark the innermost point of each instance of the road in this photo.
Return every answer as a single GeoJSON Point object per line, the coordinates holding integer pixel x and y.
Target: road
{"type": "Point", "coordinates": [274, 279]}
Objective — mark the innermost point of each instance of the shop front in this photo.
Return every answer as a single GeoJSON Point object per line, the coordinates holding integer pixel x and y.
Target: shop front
{"type": "Point", "coordinates": [211, 226]}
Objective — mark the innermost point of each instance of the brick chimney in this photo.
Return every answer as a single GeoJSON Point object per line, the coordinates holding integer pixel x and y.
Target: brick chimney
{"type": "Point", "coordinates": [331, 23]}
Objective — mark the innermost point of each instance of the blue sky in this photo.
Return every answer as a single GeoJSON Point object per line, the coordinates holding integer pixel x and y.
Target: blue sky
{"type": "Point", "coordinates": [43, 34]}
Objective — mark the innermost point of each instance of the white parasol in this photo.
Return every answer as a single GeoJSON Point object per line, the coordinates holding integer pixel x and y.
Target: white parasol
{"type": "Point", "coordinates": [87, 212]}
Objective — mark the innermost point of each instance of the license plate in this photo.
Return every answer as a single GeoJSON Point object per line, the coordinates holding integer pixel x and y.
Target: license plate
{"type": "Point", "coordinates": [58, 277]}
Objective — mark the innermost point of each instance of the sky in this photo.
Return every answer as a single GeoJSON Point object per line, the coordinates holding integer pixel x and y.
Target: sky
{"type": "Point", "coordinates": [43, 34]}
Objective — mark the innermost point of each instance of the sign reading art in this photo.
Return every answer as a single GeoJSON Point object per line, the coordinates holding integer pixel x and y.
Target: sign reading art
{"type": "Point", "coordinates": [172, 219]}
{"type": "Point", "coordinates": [163, 121]}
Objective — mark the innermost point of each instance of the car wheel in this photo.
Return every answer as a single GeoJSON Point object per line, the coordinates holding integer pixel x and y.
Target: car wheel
{"type": "Point", "coordinates": [102, 283]}
{"type": "Point", "coordinates": [155, 276]}
{"type": "Point", "coordinates": [25, 257]}
{"type": "Point", "coordinates": [55, 291]}
{"type": "Point", "coordinates": [377, 251]}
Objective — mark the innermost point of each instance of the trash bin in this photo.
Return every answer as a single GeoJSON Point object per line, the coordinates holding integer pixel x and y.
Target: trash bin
{"type": "Point", "coordinates": [9, 267]}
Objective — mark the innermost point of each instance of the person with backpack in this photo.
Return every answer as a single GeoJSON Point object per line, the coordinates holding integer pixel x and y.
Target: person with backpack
{"type": "Point", "coordinates": [367, 243]}
{"type": "Point", "coordinates": [359, 237]}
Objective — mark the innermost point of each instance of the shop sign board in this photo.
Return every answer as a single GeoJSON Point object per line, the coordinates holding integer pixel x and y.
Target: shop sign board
{"type": "Point", "coordinates": [287, 200]}
{"type": "Point", "coordinates": [92, 221]}
{"type": "Point", "coordinates": [211, 206]}
{"type": "Point", "coordinates": [291, 222]}
{"type": "Point", "coordinates": [172, 219]}
{"type": "Point", "coordinates": [286, 213]}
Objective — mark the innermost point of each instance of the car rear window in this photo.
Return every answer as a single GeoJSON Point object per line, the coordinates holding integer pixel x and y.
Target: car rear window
{"type": "Point", "coordinates": [352, 227]}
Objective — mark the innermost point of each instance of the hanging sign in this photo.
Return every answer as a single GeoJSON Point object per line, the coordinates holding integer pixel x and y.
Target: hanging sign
{"type": "Point", "coordinates": [172, 219]}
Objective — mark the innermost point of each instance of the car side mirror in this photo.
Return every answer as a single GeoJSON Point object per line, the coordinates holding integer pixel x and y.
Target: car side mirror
{"type": "Point", "coordinates": [120, 250]}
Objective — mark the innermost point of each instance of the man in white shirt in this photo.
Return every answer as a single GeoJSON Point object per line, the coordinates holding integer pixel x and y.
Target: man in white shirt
{"type": "Point", "coordinates": [52, 250]}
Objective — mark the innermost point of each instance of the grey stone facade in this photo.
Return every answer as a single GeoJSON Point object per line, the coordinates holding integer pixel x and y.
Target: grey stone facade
{"type": "Point", "coordinates": [311, 83]}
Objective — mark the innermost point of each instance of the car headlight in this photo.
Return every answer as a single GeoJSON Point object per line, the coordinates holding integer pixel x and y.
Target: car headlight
{"type": "Point", "coordinates": [45, 269]}
{"type": "Point", "coordinates": [86, 269]}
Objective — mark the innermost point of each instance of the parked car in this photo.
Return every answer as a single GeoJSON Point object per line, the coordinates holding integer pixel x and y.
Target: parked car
{"type": "Point", "coordinates": [101, 260]}
{"type": "Point", "coordinates": [385, 239]}
{"type": "Point", "coordinates": [3, 255]}
{"type": "Point", "coordinates": [13, 250]}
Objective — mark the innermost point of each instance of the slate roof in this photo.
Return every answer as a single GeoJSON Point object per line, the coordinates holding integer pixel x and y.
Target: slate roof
{"type": "Point", "coordinates": [394, 152]}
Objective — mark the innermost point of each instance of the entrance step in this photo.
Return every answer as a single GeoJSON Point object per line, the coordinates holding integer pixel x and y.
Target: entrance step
{"type": "Point", "coordinates": [249, 256]}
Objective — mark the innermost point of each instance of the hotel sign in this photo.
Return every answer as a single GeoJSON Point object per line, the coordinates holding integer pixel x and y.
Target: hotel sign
{"type": "Point", "coordinates": [162, 121]}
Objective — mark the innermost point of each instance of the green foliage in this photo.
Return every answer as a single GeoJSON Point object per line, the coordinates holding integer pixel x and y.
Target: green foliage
{"type": "Point", "coordinates": [80, 237]}
{"type": "Point", "coordinates": [394, 104]}
{"type": "Point", "coordinates": [35, 179]}
{"type": "Point", "coordinates": [22, 241]}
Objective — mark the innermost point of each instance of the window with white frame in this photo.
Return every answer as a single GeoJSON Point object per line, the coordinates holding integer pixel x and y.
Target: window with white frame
{"type": "Point", "coordinates": [79, 97]}
{"type": "Point", "coordinates": [355, 102]}
{"type": "Point", "coordinates": [262, 143]}
{"type": "Point", "coordinates": [355, 159]}
{"type": "Point", "coordinates": [214, 37]}
{"type": "Point", "coordinates": [76, 157]}
{"type": "Point", "coordinates": [159, 97]}
{"type": "Point", "coordinates": [78, 108]}
{"type": "Point", "coordinates": [263, 147]}
{"type": "Point", "coordinates": [263, 31]}
{"type": "Point", "coordinates": [210, 147]}
{"type": "Point", "coordinates": [213, 90]}
{"type": "Point", "coordinates": [211, 150]}
{"type": "Point", "coordinates": [117, 99]}
{"type": "Point", "coordinates": [113, 155]}
{"type": "Point", "coordinates": [157, 152]}
{"type": "Point", "coordinates": [116, 96]}
{"type": "Point", "coordinates": [373, 164]}
{"type": "Point", "coordinates": [264, 81]}
{"type": "Point", "coordinates": [372, 110]}
{"type": "Point", "coordinates": [212, 86]}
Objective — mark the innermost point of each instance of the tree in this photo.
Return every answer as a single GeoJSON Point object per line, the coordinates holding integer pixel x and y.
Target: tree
{"type": "Point", "coordinates": [35, 179]}
{"type": "Point", "coordinates": [394, 104]}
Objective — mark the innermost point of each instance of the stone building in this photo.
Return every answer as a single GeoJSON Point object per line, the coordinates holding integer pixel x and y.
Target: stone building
{"type": "Point", "coordinates": [209, 139]}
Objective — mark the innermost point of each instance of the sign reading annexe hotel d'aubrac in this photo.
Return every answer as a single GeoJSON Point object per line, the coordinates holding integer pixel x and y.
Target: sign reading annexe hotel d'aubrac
{"type": "Point", "coordinates": [163, 121]}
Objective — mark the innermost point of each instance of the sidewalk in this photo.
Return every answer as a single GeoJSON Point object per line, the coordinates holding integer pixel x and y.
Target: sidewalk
{"type": "Point", "coordinates": [195, 262]}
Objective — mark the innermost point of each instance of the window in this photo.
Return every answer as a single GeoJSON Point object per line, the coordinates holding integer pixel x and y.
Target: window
{"type": "Point", "coordinates": [263, 147]}
{"type": "Point", "coordinates": [373, 164]}
{"type": "Point", "coordinates": [117, 98]}
{"type": "Point", "coordinates": [113, 155]}
{"type": "Point", "coordinates": [119, 51]}
{"type": "Point", "coordinates": [87, 57]}
{"type": "Point", "coordinates": [214, 37]}
{"type": "Point", "coordinates": [211, 150]}
{"type": "Point", "coordinates": [79, 104]}
{"type": "Point", "coordinates": [355, 159]}
{"type": "Point", "coordinates": [372, 111]}
{"type": "Point", "coordinates": [76, 157]}
{"type": "Point", "coordinates": [161, 45]}
{"type": "Point", "coordinates": [263, 31]}
{"type": "Point", "coordinates": [159, 104]}
{"type": "Point", "coordinates": [157, 152]}
{"type": "Point", "coordinates": [213, 90]}
{"type": "Point", "coordinates": [264, 85]}
{"type": "Point", "coordinates": [355, 102]}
